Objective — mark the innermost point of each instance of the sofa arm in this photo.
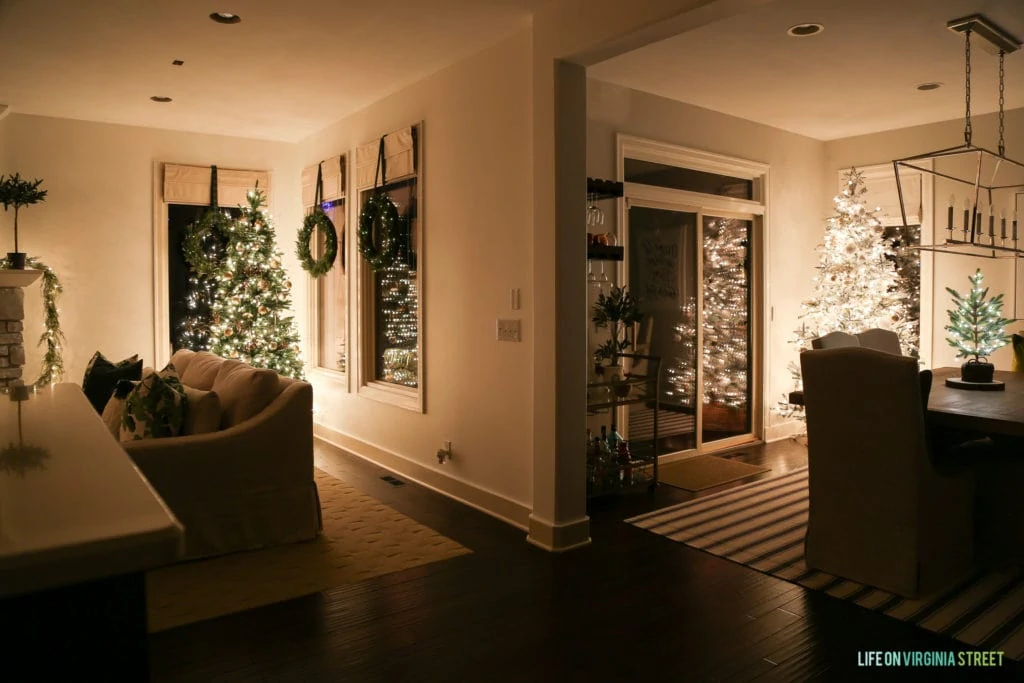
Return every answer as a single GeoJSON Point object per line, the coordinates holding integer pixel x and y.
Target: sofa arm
{"type": "Point", "coordinates": [274, 445]}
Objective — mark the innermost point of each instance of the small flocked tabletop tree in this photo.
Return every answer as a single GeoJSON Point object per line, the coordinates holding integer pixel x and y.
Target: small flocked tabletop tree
{"type": "Point", "coordinates": [976, 329]}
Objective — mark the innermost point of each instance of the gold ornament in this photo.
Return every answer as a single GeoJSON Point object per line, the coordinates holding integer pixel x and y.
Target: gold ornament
{"type": "Point", "coordinates": [263, 310]}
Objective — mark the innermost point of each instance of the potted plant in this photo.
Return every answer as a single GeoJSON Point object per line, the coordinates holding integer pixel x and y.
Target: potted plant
{"type": "Point", "coordinates": [18, 193]}
{"type": "Point", "coordinates": [976, 329]}
{"type": "Point", "coordinates": [617, 310]}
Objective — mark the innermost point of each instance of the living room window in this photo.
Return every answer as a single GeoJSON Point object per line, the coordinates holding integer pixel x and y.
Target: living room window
{"type": "Point", "coordinates": [330, 296]}
{"type": "Point", "coordinates": [182, 194]}
{"type": "Point", "coordinates": [391, 314]}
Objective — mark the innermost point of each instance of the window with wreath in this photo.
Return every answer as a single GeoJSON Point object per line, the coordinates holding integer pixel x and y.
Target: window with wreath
{"type": "Point", "coordinates": [389, 233]}
{"type": "Point", "coordinates": [189, 193]}
{"type": "Point", "coordinates": [328, 259]}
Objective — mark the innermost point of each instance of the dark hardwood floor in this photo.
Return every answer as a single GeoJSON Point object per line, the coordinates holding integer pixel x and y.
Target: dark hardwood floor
{"type": "Point", "coordinates": [632, 606]}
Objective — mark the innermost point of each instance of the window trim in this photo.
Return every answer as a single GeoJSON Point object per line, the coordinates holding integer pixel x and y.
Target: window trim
{"type": "Point", "coordinates": [759, 173]}
{"type": "Point", "coordinates": [368, 386]}
{"type": "Point", "coordinates": [342, 380]}
{"type": "Point", "coordinates": [162, 347]}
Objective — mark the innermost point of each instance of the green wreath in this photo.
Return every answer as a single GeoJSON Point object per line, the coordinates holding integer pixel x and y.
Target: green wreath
{"type": "Point", "coordinates": [317, 220]}
{"type": "Point", "coordinates": [213, 223]}
{"type": "Point", "coordinates": [380, 216]}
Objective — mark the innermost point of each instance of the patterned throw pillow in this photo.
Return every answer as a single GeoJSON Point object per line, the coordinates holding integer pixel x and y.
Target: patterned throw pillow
{"type": "Point", "coordinates": [113, 413]}
{"type": "Point", "coordinates": [101, 376]}
{"type": "Point", "coordinates": [155, 408]}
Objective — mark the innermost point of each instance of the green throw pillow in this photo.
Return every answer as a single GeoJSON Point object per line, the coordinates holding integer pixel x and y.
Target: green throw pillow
{"type": "Point", "coordinates": [155, 408]}
{"type": "Point", "coordinates": [1018, 352]}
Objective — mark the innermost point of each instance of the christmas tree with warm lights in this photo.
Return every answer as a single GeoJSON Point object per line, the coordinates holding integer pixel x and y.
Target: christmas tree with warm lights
{"type": "Point", "coordinates": [207, 250]}
{"type": "Point", "coordinates": [725, 324]}
{"type": "Point", "coordinates": [250, 310]}
{"type": "Point", "coordinates": [399, 303]}
{"type": "Point", "coordinates": [976, 325]}
{"type": "Point", "coordinates": [857, 287]}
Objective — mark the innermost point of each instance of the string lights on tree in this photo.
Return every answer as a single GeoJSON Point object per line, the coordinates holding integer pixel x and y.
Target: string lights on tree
{"type": "Point", "coordinates": [725, 324]}
{"type": "Point", "coordinates": [857, 287]}
{"type": "Point", "coordinates": [250, 310]}
{"type": "Point", "coordinates": [398, 306]}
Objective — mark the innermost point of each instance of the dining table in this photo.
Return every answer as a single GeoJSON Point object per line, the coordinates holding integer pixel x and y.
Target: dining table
{"type": "Point", "coordinates": [991, 413]}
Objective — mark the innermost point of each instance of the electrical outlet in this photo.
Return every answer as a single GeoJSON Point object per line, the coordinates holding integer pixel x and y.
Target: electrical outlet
{"type": "Point", "coordinates": [444, 453]}
{"type": "Point", "coordinates": [510, 329]}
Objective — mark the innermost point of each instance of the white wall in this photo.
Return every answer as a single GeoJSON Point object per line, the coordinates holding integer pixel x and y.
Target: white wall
{"type": "Point", "coordinates": [795, 222]}
{"type": "Point", "coordinates": [949, 270]}
{"type": "Point", "coordinates": [95, 228]}
{"type": "Point", "coordinates": [477, 246]}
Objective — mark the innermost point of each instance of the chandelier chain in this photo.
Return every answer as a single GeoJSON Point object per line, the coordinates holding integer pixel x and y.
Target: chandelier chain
{"type": "Point", "coordinates": [1002, 144]}
{"type": "Point", "coordinates": [967, 63]}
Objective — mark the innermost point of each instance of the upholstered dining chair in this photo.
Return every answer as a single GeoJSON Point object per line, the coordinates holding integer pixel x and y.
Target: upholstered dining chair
{"type": "Point", "coordinates": [834, 340]}
{"type": "Point", "coordinates": [881, 513]}
{"type": "Point", "coordinates": [883, 340]}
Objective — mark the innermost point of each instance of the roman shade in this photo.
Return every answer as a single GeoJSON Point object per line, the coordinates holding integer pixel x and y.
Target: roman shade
{"type": "Point", "coordinates": [399, 158]}
{"type": "Point", "coordinates": [191, 185]}
{"type": "Point", "coordinates": [333, 171]}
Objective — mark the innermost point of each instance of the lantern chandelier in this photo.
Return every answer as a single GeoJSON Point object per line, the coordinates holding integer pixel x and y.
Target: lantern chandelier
{"type": "Point", "coordinates": [985, 215]}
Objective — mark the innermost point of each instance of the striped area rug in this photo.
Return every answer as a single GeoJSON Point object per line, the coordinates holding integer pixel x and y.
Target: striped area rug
{"type": "Point", "coordinates": [762, 525]}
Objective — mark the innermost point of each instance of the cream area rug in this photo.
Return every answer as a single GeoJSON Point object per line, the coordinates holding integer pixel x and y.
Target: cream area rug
{"type": "Point", "coordinates": [362, 538]}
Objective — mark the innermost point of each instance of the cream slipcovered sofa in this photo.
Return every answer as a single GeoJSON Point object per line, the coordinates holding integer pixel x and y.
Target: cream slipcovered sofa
{"type": "Point", "coordinates": [250, 483]}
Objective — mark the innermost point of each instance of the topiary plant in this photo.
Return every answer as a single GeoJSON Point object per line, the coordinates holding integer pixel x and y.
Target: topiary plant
{"type": "Point", "coordinates": [617, 310]}
{"type": "Point", "coordinates": [18, 193]}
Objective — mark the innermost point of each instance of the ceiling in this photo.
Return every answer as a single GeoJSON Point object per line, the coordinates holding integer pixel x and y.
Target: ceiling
{"type": "Point", "coordinates": [858, 76]}
{"type": "Point", "coordinates": [289, 69]}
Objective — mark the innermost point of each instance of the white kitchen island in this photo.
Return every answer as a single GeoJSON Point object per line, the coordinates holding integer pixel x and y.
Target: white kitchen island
{"type": "Point", "coordinates": [79, 527]}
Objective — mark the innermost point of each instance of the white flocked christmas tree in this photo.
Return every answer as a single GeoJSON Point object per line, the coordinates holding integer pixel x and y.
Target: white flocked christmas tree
{"type": "Point", "coordinates": [857, 286]}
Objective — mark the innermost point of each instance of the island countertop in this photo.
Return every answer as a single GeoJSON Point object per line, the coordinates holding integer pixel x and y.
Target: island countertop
{"type": "Point", "coordinates": [73, 506]}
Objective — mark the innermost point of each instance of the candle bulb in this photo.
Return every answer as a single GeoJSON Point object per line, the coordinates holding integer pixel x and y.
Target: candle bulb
{"type": "Point", "coordinates": [967, 216]}
{"type": "Point", "coordinates": [991, 222]}
{"type": "Point", "coordinates": [952, 200]}
{"type": "Point", "coordinates": [1002, 225]}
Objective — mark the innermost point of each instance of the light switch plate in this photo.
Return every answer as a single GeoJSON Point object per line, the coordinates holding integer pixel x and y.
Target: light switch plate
{"type": "Point", "coordinates": [510, 329]}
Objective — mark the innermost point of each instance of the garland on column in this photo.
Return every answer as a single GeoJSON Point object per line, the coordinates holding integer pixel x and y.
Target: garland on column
{"type": "Point", "coordinates": [52, 366]}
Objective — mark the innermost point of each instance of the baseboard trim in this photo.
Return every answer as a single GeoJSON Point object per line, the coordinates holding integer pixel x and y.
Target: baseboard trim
{"type": "Point", "coordinates": [488, 502]}
{"type": "Point", "coordinates": [558, 538]}
{"type": "Point", "coordinates": [785, 430]}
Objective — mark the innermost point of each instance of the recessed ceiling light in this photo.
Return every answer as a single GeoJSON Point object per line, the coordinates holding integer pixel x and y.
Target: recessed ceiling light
{"type": "Point", "coordinates": [225, 17]}
{"type": "Point", "coordinates": [177, 62]}
{"type": "Point", "coordinates": [160, 98]}
{"type": "Point", "coordinates": [804, 30]}
{"type": "Point", "coordinates": [929, 86]}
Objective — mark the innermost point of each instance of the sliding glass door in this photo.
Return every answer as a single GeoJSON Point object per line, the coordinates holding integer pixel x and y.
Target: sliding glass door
{"type": "Point", "coordinates": [691, 269]}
